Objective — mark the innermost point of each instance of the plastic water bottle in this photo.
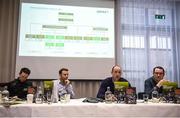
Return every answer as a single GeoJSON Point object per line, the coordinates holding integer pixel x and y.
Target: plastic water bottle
{"type": "Point", "coordinates": [108, 96]}
{"type": "Point", "coordinates": [39, 96]}
{"type": "Point", "coordinates": [5, 95]}
{"type": "Point", "coordinates": [155, 95]}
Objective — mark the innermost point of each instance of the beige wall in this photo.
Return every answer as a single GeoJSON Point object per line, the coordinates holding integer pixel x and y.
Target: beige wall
{"type": "Point", "coordinates": [85, 88]}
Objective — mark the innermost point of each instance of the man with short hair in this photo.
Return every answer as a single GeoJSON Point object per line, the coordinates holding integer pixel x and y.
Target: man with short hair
{"type": "Point", "coordinates": [20, 87]}
{"type": "Point", "coordinates": [62, 85]}
{"type": "Point", "coordinates": [109, 82]}
{"type": "Point", "coordinates": [156, 80]}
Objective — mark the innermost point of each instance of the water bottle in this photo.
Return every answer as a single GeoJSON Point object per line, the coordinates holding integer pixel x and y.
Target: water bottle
{"type": "Point", "coordinates": [39, 96]}
{"type": "Point", "coordinates": [108, 96]}
{"type": "Point", "coordinates": [155, 95]}
{"type": "Point", "coordinates": [5, 95]}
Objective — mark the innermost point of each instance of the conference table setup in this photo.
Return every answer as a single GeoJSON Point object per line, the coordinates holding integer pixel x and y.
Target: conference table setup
{"type": "Point", "coordinates": [77, 108]}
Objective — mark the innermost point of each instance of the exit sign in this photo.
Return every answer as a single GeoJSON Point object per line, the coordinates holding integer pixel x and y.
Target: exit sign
{"type": "Point", "coordinates": [158, 16]}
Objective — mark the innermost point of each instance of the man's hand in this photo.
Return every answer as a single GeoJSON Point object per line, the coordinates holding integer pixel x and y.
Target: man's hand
{"type": "Point", "coordinates": [160, 83]}
{"type": "Point", "coordinates": [31, 90]}
{"type": "Point", "coordinates": [67, 82]}
{"type": "Point", "coordinates": [114, 98]}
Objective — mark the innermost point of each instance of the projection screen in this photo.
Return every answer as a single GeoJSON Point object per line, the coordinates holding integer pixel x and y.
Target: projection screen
{"type": "Point", "coordinates": [78, 35]}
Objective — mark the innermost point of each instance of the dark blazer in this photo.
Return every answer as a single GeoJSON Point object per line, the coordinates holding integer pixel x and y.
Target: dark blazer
{"type": "Point", "coordinates": [149, 85]}
{"type": "Point", "coordinates": [108, 82]}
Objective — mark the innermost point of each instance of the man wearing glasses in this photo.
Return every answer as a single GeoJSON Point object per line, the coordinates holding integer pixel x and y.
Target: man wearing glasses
{"type": "Point", "coordinates": [156, 80]}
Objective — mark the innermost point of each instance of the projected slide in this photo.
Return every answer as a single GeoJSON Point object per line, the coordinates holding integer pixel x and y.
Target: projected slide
{"type": "Point", "coordinates": [66, 31]}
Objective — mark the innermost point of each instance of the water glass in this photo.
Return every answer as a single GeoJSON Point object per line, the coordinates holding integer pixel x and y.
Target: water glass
{"type": "Point", "coordinates": [65, 98]}
{"type": "Point", "coordinates": [49, 97]}
{"type": "Point", "coordinates": [30, 98]}
{"type": "Point", "coordinates": [145, 98]}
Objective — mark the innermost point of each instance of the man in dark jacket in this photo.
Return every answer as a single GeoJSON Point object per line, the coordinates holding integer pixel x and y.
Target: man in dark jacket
{"type": "Point", "coordinates": [20, 87]}
{"type": "Point", "coordinates": [155, 81]}
{"type": "Point", "coordinates": [109, 82]}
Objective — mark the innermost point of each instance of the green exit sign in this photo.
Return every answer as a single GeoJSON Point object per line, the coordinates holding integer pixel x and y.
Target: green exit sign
{"type": "Point", "coordinates": [158, 16]}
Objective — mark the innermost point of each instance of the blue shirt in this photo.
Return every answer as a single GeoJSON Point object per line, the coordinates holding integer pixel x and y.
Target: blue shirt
{"type": "Point", "coordinates": [60, 89]}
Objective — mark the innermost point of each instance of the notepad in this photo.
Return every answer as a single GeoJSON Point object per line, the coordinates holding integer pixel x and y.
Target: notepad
{"type": "Point", "coordinates": [120, 85]}
{"type": "Point", "coordinates": [48, 84]}
{"type": "Point", "coordinates": [170, 85]}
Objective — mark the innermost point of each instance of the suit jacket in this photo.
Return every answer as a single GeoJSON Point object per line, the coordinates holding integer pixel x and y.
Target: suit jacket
{"type": "Point", "coordinates": [108, 82]}
{"type": "Point", "coordinates": [149, 85]}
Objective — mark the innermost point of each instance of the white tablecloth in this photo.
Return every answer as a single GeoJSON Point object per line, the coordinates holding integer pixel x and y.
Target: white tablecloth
{"type": "Point", "coordinates": [76, 108]}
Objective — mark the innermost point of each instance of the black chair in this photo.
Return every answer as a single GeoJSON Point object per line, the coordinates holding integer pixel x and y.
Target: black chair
{"type": "Point", "coordinates": [140, 95]}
